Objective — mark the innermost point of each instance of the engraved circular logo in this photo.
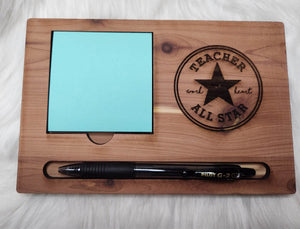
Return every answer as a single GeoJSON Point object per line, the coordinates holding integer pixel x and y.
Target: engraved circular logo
{"type": "Point", "coordinates": [218, 88]}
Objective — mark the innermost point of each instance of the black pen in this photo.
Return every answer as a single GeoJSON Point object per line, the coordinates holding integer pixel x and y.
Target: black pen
{"type": "Point", "coordinates": [132, 170]}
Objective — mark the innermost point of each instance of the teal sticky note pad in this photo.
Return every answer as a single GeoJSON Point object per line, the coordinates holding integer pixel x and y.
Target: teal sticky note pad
{"type": "Point", "coordinates": [100, 82]}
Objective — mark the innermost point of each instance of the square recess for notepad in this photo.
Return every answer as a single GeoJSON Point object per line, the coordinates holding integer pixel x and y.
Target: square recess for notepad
{"type": "Point", "coordinates": [100, 82]}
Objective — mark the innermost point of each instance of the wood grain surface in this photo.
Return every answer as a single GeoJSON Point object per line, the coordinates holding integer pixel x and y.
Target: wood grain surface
{"type": "Point", "coordinates": [267, 137]}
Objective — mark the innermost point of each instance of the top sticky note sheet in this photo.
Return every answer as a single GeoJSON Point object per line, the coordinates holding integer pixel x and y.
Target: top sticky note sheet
{"type": "Point", "coordinates": [100, 82]}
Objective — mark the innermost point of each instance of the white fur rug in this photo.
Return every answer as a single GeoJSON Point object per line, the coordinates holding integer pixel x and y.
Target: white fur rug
{"type": "Point", "coordinates": [136, 211]}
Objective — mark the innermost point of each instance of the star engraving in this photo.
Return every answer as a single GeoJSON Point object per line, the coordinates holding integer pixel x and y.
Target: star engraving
{"type": "Point", "coordinates": [217, 86]}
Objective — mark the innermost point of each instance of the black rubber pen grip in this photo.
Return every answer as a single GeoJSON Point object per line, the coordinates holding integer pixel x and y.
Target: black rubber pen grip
{"type": "Point", "coordinates": [104, 170]}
